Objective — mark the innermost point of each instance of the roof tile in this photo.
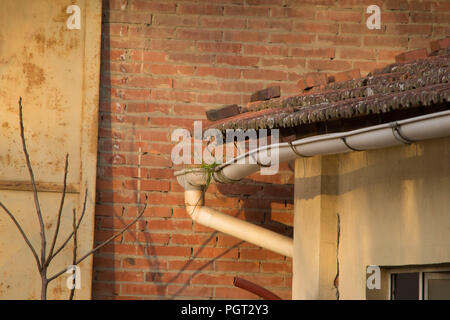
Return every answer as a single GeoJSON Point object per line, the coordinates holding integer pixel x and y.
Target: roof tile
{"type": "Point", "coordinates": [415, 80]}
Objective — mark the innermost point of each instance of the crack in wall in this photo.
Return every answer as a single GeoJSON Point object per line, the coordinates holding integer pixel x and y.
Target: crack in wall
{"type": "Point", "coordinates": [336, 278]}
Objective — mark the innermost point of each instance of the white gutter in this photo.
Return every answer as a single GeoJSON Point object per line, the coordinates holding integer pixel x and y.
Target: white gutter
{"type": "Point", "coordinates": [435, 125]}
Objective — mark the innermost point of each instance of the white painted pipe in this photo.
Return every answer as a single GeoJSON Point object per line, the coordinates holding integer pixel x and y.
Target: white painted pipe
{"type": "Point", "coordinates": [424, 127]}
{"type": "Point", "coordinates": [429, 126]}
{"type": "Point", "coordinates": [234, 226]}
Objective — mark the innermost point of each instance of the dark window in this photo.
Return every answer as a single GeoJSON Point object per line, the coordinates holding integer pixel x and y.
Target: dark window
{"type": "Point", "coordinates": [437, 285]}
{"type": "Point", "coordinates": [405, 286]}
{"type": "Point", "coordinates": [420, 285]}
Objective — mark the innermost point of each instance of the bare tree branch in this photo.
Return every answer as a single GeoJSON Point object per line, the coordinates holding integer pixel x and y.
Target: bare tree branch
{"type": "Point", "coordinates": [61, 205]}
{"type": "Point", "coordinates": [72, 233]}
{"type": "Point", "coordinates": [23, 235]}
{"type": "Point", "coordinates": [112, 237]}
{"type": "Point", "coordinates": [33, 183]}
{"type": "Point", "coordinates": [75, 247]}
{"type": "Point", "coordinates": [102, 244]}
{"type": "Point", "coordinates": [43, 262]}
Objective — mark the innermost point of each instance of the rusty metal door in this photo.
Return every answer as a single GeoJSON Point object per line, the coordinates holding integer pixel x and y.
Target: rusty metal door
{"type": "Point", "coordinates": [50, 56]}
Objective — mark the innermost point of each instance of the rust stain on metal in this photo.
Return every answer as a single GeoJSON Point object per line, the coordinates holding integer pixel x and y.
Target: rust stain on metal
{"type": "Point", "coordinates": [62, 15]}
{"type": "Point", "coordinates": [59, 41]}
{"type": "Point", "coordinates": [35, 75]}
{"type": "Point", "coordinates": [57, 291]}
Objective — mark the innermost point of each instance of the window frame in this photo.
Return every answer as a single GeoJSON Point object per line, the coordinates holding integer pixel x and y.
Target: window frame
{"type": "Point", "coordinates": [385, 292]}
{"type": "Point", "coordinates": [431, 276]}
{"type": "Point", "coordinates": [396, 271]}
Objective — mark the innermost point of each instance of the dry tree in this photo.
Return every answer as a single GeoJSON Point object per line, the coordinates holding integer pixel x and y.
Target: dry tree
{"type": "Point", "coordinates": [45, 258]}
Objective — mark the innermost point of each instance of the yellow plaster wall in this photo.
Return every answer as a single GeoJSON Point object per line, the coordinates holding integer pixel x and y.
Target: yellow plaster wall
{"type": "Point", "coordinates": [394, 210]}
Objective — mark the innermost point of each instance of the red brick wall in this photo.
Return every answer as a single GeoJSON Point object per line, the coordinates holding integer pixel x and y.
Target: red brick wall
{"type": "Point", "coordinates": [163, 64]}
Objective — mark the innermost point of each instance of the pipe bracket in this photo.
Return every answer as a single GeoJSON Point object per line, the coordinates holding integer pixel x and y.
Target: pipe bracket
{"type": "Point", "coordinates": [398, 135]}
{"type": "Point", "coordinates": [344, 140]}
{"type": "Point", "coordinates": [259, 163]}
{"type": "Point", "coordinates": [296, 152]}
{"type": "Point", "coordinates": [218, 176]}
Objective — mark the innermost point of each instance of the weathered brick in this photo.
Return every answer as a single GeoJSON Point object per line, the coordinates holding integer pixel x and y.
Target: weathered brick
{"type": "Point", "coordinates": [233, 293]}
{"type": "Point", "coordinates": [237, 266]}
{"type": "Point", "coordinates": [202, 9]}
{"type": "Point", "coordinates": [245, 36]}
{"type": "Point", "coordinates": [346, 75]}
{"type": "Point", "coordinates": [152, 6]}
{"type": "Point", "coordinates": [143, 289]}
{"type": "Point", "coordinates": [316, 27]}
{"type": "Point", "coordinates": [289, 12]}
{"type": "Point", "coordinates": [339, 40]}
{"type": "Point", "coordinates": [440, 44]}
{"type": "Point", "coordinates": [262, 24]}
{"type": "Point", "coordinates": [245, 11]}
{"type": "Point", "coordinates": [264, 74]}
{"type": "Point", "coordinates": [168, 69]}
{"type": "Point", "coordinates": [339, 16]}
{"type": "Point", "coordinates": [196, 34]}
{"type": "Point", "coordinates": [223, 112]}
{"type": "Point", "coordinates": [292, 38]}
{"type": "Point", "coordinates": [238, 60]}
{"type": "Point", "coordinates": [189, 291]}
{"type": "Point", "coordinates": [266, 94]}
{"type": "Point", "coordinates": [174, 20]}
{"type": "Point", "coordinates": [287, 62]}
{"type": "Point", "coordinates": [405, 29]}
{"type": "Point", "coordinates": [265, 50]}
{"type": "Point", "coordinates": [219, 47]}
{"type": "Point", "coordinates": [218, 72]}
{"type": "Point", "coordinates": [395, 17]}
{"type": "Point", "coordinates": [311, 80]}
{"type": "Point", "coordinates": [411, 56]}
{"type": "Point", "coordinates": [396, 4]}
{"type": "Point", "coordinates": [213, 279]}
{"type": "Point", "coordinates": [313, 52]}
{"type": "Point", "coordinates": [223, 22]}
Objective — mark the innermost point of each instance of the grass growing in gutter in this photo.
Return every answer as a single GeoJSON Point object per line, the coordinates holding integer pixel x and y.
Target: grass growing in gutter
{"type": "Point", "coordinates": [210, 169]}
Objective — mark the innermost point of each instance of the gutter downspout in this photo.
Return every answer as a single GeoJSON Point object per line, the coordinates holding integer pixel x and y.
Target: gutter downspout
{"type": "Point", "coordinates": [435, 125]}
{"type": "Point", "coordinates": [241, 229]}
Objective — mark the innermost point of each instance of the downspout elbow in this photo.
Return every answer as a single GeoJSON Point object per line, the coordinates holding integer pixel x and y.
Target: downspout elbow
{"type": "Point", "coordinates": [194, 201]}
{"type": "Point", "coordinates": [241, 229]}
